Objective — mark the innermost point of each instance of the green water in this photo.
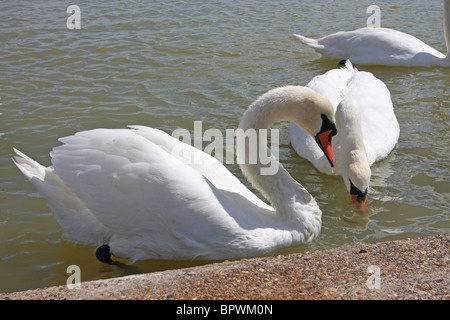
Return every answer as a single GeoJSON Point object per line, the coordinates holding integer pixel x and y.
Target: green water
{"type": "Point", "coordinates": [168, 64]}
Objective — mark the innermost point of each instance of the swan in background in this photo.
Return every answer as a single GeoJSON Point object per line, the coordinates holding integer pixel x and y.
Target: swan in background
{"type": "Point", "coordinates": [382, 46]}
{"type": "Point", "coordinates": [130, 192]}
{"type": "Point", "coordinates": [367, 127]}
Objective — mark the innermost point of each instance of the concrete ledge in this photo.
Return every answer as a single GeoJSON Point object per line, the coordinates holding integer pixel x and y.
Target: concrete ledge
{"type": "Point", "coordinates": [403, 269]}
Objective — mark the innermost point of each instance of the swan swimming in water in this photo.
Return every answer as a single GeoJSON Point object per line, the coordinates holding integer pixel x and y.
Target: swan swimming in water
{"type": "Point", "coordinates": [128, 193]}
{"type": "Point", "coordinates": [367, 127]}
{"type": "Point", "coordinates": [382, 46]}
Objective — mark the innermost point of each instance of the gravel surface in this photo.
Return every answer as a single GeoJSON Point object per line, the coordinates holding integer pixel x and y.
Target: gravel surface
{"type": "Point", "coordinates": [404, 269]}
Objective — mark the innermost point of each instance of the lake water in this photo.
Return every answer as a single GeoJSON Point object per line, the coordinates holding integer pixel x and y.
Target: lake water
{"type": "Point", "coordinates": [166, 64]}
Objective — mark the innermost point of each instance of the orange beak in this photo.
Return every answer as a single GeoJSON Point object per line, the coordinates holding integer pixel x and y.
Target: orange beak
{"type": "Point", "coordinates": [360, 204]}
{"type": "Point", "coordinates": [325, 141]}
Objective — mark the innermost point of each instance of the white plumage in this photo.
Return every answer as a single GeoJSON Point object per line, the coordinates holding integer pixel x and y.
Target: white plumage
{"type": "Point", "coordinates": [131, 189]}
{"type": "Point", "coordinates": [368, 129]}
{"type": "Point", "coordinates": [382, 46]}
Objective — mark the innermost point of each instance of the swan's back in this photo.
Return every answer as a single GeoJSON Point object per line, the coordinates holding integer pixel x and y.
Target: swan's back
{"type": "Point", "coordinates": [376, 46]}
{"type": "Point", "coordinates": [379, 125]}
{"type": "Point", "coordinates": [333, 83]}
{"type": "Point", "coordinates": [128, 183]}
{"type": "Point", "coordinates": [130, 189]}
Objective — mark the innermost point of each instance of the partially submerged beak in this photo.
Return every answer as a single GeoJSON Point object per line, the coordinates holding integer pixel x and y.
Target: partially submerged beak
{"type": "Point", "coordinates": [325, 142]}
{"type": "Point", "coordinates": [359, 197]}
{"type": "Point", "coordinates": [359, 203]}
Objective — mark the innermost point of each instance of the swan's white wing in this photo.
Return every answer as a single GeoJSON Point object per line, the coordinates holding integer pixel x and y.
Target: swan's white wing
{"type": "Point", "coordinates": [378, 121]}
{"type": "Point", "coordinates": [332, 83]}
{"type": "Point", "coordinates": [79, 224]}
{"type": "Point", "coordinates": [376, 46]}
{"type": "Point", "coordinates": [205, 164]}
{"type": "Point", "coordinates": [122, 177]}
{"type": "Point", "coordinates": [153, 204]}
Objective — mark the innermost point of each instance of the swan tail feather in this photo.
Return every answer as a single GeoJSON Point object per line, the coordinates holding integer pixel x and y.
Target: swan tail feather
{"type": "Point", "coordinates": [351, 71]}
{"type": "Point", "coordinates": [78, 222]}
{"type": "Point", "coordinates": [309, 41]}
{"type": "Point", "coordinates": [29, 167]}
{"type": "Point", "coordinates": [349, 67]}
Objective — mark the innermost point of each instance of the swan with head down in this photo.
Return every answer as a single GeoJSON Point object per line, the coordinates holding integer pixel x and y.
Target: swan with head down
{"type": "Point", "coordinates": [129, 192]}
{"type": "Point", "coordinates": [367, 127]}
{"type": "Point", "coordinates": [382, 46]}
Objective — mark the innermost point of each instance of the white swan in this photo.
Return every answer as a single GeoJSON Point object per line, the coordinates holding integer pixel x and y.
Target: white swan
{"type": "Point", "coordinates": [129, 191]}
{"type": "Point", "coordinates": [382, 46]}
{"type": "Point", "coordinates": [367, 127]}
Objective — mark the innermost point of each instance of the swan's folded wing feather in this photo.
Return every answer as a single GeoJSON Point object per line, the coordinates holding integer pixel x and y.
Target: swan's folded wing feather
{"type": "Point", "coordinates": [122, 177]}
{"type": "Point", "coordinates": [138, 189]}
{"type": "Point", "coordinates": [332, 83]}
{"type": "Point", "coordinates": [207, 165]}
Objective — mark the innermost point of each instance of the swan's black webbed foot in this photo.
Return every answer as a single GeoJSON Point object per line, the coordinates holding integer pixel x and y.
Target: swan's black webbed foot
{"type": "Point", "coordinates": [103, 254]}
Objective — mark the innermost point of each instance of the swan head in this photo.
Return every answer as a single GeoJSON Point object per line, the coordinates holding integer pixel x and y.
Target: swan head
{"type": "Point", "coordinates": [306, 108]}
{"type": "Point", "coordinates": [324, 138]}
{"type": "Point", "coordinates": [317, 118]}
{"type": "Point", "coordinates": [357, 179]}
{"type": "Point", "coordinates": [355, 165]}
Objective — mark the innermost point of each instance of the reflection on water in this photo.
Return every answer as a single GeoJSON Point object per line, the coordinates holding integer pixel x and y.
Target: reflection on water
{"type": "Point", "coordinates": [168, 64]}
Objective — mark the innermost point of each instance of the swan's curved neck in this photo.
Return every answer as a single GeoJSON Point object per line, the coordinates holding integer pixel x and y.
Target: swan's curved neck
{"type": "Point", "coordinates": [350, 137]}
{"type": "Point", "coordinates": [283, 192]}
{"type": "Point", "coordinates": [348, 120]}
